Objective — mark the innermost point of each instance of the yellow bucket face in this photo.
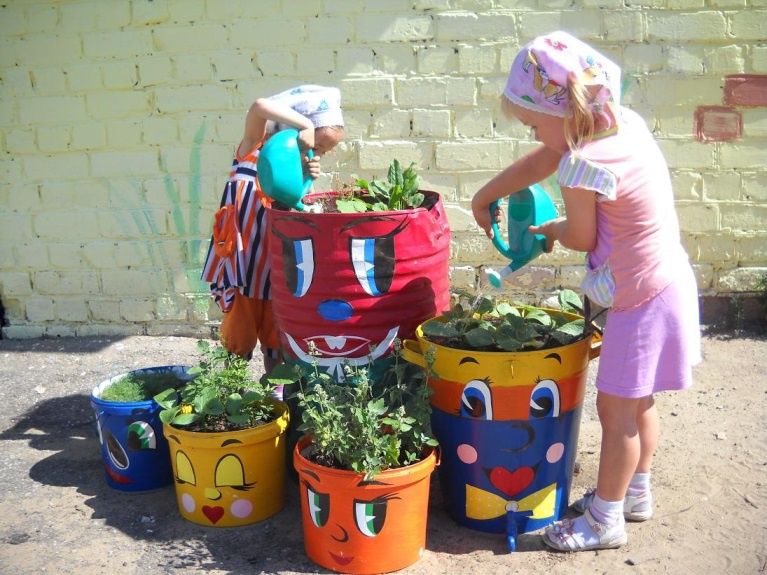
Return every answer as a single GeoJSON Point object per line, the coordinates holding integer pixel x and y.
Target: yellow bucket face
{"type": "Point", "coordinates": [229, 479]}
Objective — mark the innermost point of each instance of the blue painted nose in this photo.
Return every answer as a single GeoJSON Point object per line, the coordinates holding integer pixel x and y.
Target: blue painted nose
{"type": "Point", "coordinates": [335, 310]}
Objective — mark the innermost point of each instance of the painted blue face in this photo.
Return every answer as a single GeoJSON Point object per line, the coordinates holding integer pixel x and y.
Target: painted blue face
{"type": "Point", "coordinates": [493, 471]}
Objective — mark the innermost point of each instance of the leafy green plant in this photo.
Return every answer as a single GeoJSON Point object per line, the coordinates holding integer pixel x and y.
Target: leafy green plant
{"type": "Point", "coordinates": [222, 396]}
{"type": "Point", "coordinates": [140, 386]}
{"type": "Point", "coordinates": [485, 324]}
{"type": "Point", "coordinates": [362, 425]}
{"type": "Point", "coordinates": [398, 192]}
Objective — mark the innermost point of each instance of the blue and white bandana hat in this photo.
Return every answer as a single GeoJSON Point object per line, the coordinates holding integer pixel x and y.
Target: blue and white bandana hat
{"type": "Point", "coordinates": [321, 104]}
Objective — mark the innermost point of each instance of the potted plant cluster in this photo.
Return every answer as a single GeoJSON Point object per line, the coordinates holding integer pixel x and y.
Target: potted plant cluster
{"type": "Point", "coordinates": [363, 465]}
{"type": "Point", "coordinates": [508, 381]}
{"type": "Point", "coordinates": [226, 433]}
{"type": "Point", "coordinates": [357, 269]}
{"type": "Point", "coordinates": [133, 448]}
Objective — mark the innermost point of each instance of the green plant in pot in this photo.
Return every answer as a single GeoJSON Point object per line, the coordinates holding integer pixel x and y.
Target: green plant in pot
{"type": "Point", "coordinates": [226, 433]}
{"type": "Point", "coordinates": [363, 466]}
{"type": "Point", "coordinates": [508, 381]}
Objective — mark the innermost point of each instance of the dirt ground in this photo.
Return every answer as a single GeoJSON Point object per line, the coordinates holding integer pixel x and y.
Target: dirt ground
{"type": "Point", "coordinates": [57, 515]}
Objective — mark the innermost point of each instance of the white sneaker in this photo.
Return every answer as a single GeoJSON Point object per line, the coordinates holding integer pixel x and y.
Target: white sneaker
{"type": "Point", "coordinates": [635, 507]}
{"type": "Point", "coordinates": [579, 535]}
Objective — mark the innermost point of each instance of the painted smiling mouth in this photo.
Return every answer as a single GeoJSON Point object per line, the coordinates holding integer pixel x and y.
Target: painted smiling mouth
{"type": "Point", "coordinates": [340, 559]}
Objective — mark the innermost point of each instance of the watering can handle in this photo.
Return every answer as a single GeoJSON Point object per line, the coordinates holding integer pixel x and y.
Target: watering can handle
{"type": "Point", "coordinates": [498, 241]}
{"type": "Point", "coordinates": [307, 184]}
{"type": "Point", "coordinates": [411, 352]}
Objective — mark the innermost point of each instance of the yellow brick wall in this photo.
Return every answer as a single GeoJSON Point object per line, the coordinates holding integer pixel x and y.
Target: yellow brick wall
{"type": "Point", "coordinates": [118, 120]}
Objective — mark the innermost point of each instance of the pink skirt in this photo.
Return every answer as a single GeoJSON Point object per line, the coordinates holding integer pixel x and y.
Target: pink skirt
{"type": "Point", "coordinates": [652, 347]}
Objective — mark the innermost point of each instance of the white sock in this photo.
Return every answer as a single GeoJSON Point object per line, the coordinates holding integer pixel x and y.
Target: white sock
{"type": "Point", "coordinates": [607, 512]}
{"type": "Point", "coordinates": [640, 483]}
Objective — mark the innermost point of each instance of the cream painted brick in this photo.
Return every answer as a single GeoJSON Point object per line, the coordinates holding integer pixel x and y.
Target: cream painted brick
{"type": "Point", "coordinates": [54, 138]}
{"type": "Point", "coordinates": [759, 59]}
{"type": "Point", "coordinates": [473, 155]}
{"type": "Point", "coordinates": [20, 141]}
{"type": "Point", "coordinates": [742, 156]}
{"type": "Point", "coordinates": [698, 217]}
{"type": "Point", "coordinates": [88, 194]}
{"type": "Point", "coordinates": [395, 58]}
{"type": "Point", "coordinates": [466, 26]}
{"type": "Point", "coordinates": [160, 130]}
{"type": "Point", "coordinates": [52, 109]}
{"type": "Point", "coordinates": [149, 13]}
{"type": "Point", "coordinates": [685, 60]}
{"type": "Point", "coordinates": [276, 62]}
{"type": "Point", "coordinates": [754, 122]}
{"type": "Point", "coordinates": [39, 309]}
{"type": "Point", "coordinates": [104, 310]}
{"type": "Point", "coordinates": [623, 25]}
{"type": "Point", "coordinates": [43, 50]}
{"type": "Point", "coordinates": [100, 254]}
{"type": "Point", "coordinates": [585, 24]}
{"type": "Point", "coordinates": [107, 164]}
{"type": "Point", "coordinates": [311, 61]}
{"type": "Point", "coordinates": [470, 182]}
{"type": "Point", "coordinates": [88, 136]}
{"type": "Point", "coordinates": [31, 255]}
{"type": "Point", "coordinates": [8, 114]}
{"type": "Point", "coordinates": [330, 30]}
{"type": "Point", "coordinates": [476, 123]}
{"type": "Point", "coordinates": [66, 282]}
{"type": "Point", "coordinates": [752, 250]}
{"type": "Point", "coordinates": [192, 68]}
{"type": "Point", "coordinates": [66, 255]}
{"type": "Point", "coordinates": [23, 332]}
{"type": "Point", "coordinates": [435, 60]}
{"type": "Point", "coordinates": [472, 248]}
{"type": "Point", "coordinates": [378, 155]}
{"type": "Point", "coordinates": [690, 155]}
{"type": "Point", "coordinates": [431, 123]}
{"type": "Point", "coordinates": [704, 276]}
{"type": "Point", "coordinates": [436, 92]}
{"type": "Point", "coordinates": [755, 187]}
{"type": "Point", "coordinates": [15, 283]}
{"type": "Point", "coordinates": [170, 100]}
{"type": "Point", "coordinates": [68, 309]}
{"type": "Point", "coordinates": [665, 90]}
{"type": "Point", "coordinates": [644, 58]}
{"type": "Point", "coordinates": [687, 185]}
{"type": "Point", "coordinates": [672, 122]}
{"type": "Point", "coordinates": [14, 21]}
{"type": "Point", "coordinates": [461, 218]}
{"type": "Point", "coordinates": [66, 225]}
{"type": "Point", "coordinates": [48, 81]}
{"type": "Point", "coordinates": [23, 198]}
{"type": "Point", "coordinates": [354, 6]}
{"type": "Point", "coordinates": [444, 184]}
{"type": "Point", "coordinates": [749, 24]}
{"type": "Point", "coordinates": [463, 277]}
{"type": "Point", "coordinates": [119, 75]}
{"type": "Point", "coordinates": [136, 254]}
{"type": "Point", "coordinates": [170, 308]}
{"type": "Point", "coordinates": [137, 309]}
{"type": "Point", "coordinates": [744, 218]}
{"type": "Point", "coordinates": [65, 166]}
{"type": "Point", "coordinates": [6, 257]}
{"type": "Point", "coordinates": [475, 60]}
{"type": "Point", "coordinates": [16, 82]}
{"type": "Point", "coordinates": [725, 60]}
{"type": "Point", "coordinates": [123, 134]}
{"type": "Point", "coordinates": [128, 223]}
{"type": "Point", "coordinates": [130, 283]}
{"type": "Point", "coordinates": [685, 4]}
{"type": "Point", "coordinates": [694, 26]}
{"type": "Point", "coordinates": [432, 4]}
{"type": "Point", "coordinates": [355, 60]}
{"type": "Point", "coordinates": [228, 10]}
{"type": "Point", "coordinates": [108, 330]}
{"type": "Point", "coordinates": [123, 43]}
{"type": "Point", "coordinates": [391, 124]}
{"type": "Point", "coordinates": [532, 277]}
{"type": "Point", "coordinates": [183, 39]}
{"type": "Point", "coordinates": [362, 93]}
{"type": "Point", "coordinates": [153, 70]}
{"type": "Point", "coordinates": [97, 15]}
{"type": "Point", "coordinates": [269, 32]}
{"type": "Point", "coordinates": [372, 27]}
{"type": "Point", "coordinates": [713, 249]}
{"type": "Point", "coordinates": [740, 280]}
{"type": "Point", "coordinates": [231, 65]}
{"type": "Point", "coordinates": [722, 186]}
{"type": "Point", "coordinates": [84, 78]}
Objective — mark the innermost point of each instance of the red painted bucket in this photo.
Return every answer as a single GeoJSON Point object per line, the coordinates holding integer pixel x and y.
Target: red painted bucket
{"type": "Point", "coordinates": [348, 285]}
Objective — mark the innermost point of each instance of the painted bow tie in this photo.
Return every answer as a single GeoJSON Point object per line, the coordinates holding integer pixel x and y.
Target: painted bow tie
{"type": "Point", "coordinates": [483, 505]}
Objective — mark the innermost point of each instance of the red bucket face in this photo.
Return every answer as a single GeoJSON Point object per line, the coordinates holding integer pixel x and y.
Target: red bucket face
{"type": "Point", "coordinates": [349, 284]}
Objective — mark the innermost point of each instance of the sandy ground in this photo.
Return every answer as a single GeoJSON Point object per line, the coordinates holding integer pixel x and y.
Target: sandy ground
{"type": "Point", "coordinates": [57, 515]}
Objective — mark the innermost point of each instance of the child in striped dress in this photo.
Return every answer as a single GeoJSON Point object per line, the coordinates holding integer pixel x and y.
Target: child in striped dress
{"type": "Point", "coordinates": [620, 209]}
{"type": "Point", "coordinates": [237, 263]}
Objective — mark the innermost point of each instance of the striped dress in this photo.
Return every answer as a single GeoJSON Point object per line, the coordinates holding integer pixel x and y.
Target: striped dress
{"type": "Point", "coordinates": [237, 258]}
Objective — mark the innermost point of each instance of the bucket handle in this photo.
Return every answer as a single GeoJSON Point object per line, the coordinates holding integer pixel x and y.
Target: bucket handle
{"type": "Point", "coordinates": [411, 352]}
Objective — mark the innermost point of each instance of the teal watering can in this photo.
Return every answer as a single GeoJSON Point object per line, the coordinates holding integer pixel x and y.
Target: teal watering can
{"type": "Point", "coordinates": [529, 207]}
{"type": "Point", "coordinates": [280, 172]}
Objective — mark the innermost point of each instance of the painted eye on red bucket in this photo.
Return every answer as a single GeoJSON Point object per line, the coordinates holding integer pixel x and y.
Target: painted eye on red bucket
{"type": "Point", "coordinates": [477, 400]}
{"type": "Point", "coordinates": [373, 261]}
{"type": "Point", "coordinates": [141, 436]}
{"type": "Point", "coordinates": [370, 516]}
{"type": "Point", "coordinates": [544, 400]}
{"type": "Point", "coordinates": [298, 264]}
{"type": "Point", "coordinates": [319, 506]}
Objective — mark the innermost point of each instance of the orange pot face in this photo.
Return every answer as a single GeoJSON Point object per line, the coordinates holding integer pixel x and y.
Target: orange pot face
{"type": "Point", "coordinates": [353, 526]}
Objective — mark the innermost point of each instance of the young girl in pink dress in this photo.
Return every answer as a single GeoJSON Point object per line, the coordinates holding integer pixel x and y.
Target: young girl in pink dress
{"type": "Point", "coordinates": [620, 209]}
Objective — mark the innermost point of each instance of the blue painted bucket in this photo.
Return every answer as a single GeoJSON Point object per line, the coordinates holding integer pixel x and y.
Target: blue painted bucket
{"type": "Point", "coordinates": [133, 448]}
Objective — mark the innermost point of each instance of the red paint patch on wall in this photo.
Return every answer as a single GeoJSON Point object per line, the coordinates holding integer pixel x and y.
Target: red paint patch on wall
{"type": "Point", "coordinates": [717, 124]}
{"type": "Point", "coordinates": [745, 90]}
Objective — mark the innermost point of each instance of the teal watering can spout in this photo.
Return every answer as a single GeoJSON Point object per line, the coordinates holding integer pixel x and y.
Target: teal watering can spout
{"type": "Point", "coordinates": [280, 171]}
{"type": "Point", "coordinates": [529, 207]}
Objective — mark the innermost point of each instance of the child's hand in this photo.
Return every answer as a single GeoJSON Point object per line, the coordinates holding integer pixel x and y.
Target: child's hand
{"type": "Point", "coordinates": [550, 230]}
{"type": "Point", "coordinates": [313, 166]}
{"type": "Point", "coordinates": [483, 217]}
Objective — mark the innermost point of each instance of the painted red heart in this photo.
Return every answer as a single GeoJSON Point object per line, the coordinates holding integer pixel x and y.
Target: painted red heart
{"type": "Point", "coordinates": [213, 513]}
{"type": "Point", "coordinates": [511, 482]}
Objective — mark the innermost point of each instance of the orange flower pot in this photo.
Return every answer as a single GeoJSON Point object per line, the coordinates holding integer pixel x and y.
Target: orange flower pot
{"type": "Point", "coordinates": [353, 526]}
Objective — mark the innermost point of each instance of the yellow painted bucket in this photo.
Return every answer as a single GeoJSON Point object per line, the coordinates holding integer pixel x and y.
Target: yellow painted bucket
{"type": "Point", "coordinates": [231, 478]}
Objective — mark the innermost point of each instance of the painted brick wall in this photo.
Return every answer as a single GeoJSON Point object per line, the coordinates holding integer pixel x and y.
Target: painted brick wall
{"type": "Point", "coordinates": [118, 120]}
